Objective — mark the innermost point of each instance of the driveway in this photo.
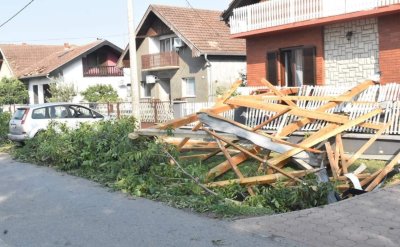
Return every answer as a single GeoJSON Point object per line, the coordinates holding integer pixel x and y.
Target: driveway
{"type": "Point", "coordinates": [43, 207]}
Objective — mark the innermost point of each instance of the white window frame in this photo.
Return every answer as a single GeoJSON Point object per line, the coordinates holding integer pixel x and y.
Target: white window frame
{"type": "Point", "coordinates": [185, 87]}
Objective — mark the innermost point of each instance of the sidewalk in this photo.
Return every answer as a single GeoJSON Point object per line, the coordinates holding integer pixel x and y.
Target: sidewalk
{"type": "Point", "coordinates": [372, 219]}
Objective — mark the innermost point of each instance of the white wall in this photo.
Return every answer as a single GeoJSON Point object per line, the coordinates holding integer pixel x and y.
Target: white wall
{"type": "Point", "coordinates": [354, 60]}
{"type": "Point", "coordinates": [5, 70]}
{"type": "Point", "coordinates": [73, 73]}
{"type": "Point", "coordinates": [223, 73]}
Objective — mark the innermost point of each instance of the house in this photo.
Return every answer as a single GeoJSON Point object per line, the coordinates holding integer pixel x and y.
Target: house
{"type": "Point", "coordinates": [185, 54]}
{"type": "Point", "coordinates": [83, 66]}
{"type": "Point", "coordinates": [294, 43]}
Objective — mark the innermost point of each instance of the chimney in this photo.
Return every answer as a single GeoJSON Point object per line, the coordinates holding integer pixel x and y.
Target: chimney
{"type": "Point", "coordinates": [67, 46]}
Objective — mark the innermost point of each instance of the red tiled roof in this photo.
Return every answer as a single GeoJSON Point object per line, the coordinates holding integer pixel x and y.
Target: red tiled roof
{"type": "Point", "coordinates": [202, 30]}
{"type": "Point", "coordinates": [40, 60]}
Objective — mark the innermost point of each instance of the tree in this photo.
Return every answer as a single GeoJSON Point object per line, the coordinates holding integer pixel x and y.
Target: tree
{"type": "Point", "coordinates": [100, 94]}
{"type": "Point", "coordinates": [61, 91]}
{"type": "Point", "coordinates": [12, 91]}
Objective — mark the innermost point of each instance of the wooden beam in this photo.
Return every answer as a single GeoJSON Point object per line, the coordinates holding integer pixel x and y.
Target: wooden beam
{"type": "Point", "coordinates": [224, 166]}
{"type": "Point", "coordinates": [359, 152]}
{"type": "Point", "coordinates": [296, 111]}
{"type": "Point", "coordinates": [343, 157]}
{"type": "Point", "coordinates": [176, 123]}
{"type": "Point", "coordinates": [277, 92]}
{"type": "Point", "coordinates": [233, 165]}
{"type": "Point", "coordinates": [289, 129]}
{"type": "Point", "coordinates": [388, 168]}
{"type": "Point", "coordinates": [252, 155]}
{"type": "Point", "coordinates": [265, 179]}
{"type": "Point", "coordinates": [323, 134]}
{"type": "Point", "coordinates": [332, 160]}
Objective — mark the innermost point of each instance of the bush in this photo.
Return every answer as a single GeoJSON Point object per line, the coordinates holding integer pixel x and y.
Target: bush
{"type": "Point", "coordinates": [100, 94]}
{"type": "Point", "coordinates": [61, 91]}
{"type": "Point", "coordinates": [103, 152]}
{"type": "Point", "coordinates": [12, 91]}
{"type": "Point", "coordinates": [4, 119]}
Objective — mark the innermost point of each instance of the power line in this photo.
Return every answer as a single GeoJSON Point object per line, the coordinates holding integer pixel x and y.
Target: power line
{"type": "Point", "coordinates": [198, 14]}
{"type": "Point", "coordinates": [12, 17]}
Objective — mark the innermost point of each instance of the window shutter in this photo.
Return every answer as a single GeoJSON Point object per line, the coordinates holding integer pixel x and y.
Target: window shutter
{"type": "Point", "coordinates": [272, 67]}
{"type": "Point", "coordinates": [309, 77]}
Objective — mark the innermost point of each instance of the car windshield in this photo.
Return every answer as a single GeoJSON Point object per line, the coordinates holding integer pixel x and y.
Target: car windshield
{"type": "Point", "coordinates": [19, 114]}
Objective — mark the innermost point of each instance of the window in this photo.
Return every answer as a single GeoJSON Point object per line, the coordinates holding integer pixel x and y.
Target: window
{"type": "Point", "coordinates": [39, 113]}
{"type": "Point", "coordinates": [80, 112]}
{"type": "Point", "coordinates": [58, 112]}
{"type": "Point", "coordinates": [190, 87]}
{"type": "Point", "coordinates": [146, 89]}
{"type": "Point", "coordinates": [297, 66]}
{"type": "Point", "coordinates": [166, 45]}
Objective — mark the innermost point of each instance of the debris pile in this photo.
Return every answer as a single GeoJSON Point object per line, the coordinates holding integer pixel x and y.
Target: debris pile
{"type": "Point", "coordinates": [321, 151]}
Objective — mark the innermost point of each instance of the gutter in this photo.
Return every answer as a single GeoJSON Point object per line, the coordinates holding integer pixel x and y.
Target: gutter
{"type": "Point", "coordinates": [210, 85]}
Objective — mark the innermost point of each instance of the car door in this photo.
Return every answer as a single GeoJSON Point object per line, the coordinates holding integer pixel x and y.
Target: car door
{"type": "Point", "coordinates": [83, 114]}
{"type": "Point", "coordinates": [61, 114]}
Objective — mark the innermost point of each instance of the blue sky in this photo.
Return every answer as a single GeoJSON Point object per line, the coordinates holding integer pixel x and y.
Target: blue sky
{"type": "Point", "coordinates": [79, 21]}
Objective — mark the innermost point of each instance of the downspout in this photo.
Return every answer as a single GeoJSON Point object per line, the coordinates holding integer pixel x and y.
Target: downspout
{"type": "Point", "coordinates": [210, 85]}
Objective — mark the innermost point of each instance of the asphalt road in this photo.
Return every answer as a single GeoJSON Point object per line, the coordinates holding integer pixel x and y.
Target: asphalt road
{"type": "Point", "coordinates": [43, 207]}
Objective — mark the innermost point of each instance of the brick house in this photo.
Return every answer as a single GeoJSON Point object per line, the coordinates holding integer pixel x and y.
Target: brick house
{"type": "Point", "coordinates": [314, 42]}
{"type": "Point", "coordinates": [185, 54]}
{"type": "Point", "coordinates": [83, 66]}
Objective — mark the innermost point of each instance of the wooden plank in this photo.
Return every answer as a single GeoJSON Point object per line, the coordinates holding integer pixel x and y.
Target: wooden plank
{"type": "Point", "coordinates": [218, 103]}
{"type": "Point", "coordinates": [289, 129]}
{"type": "Point", "coordinates": [272, 118]}
{"type": "Point", "coordinates": [303, 98]}
{"type": "Point", "coordinates": [364, 147]}
{"type": "Point", "coordinates": [224, 166]}
{"type": "Point", "coordinates": [233, 166]}
{"type": "Point", "coordinates": [337, 156]}
{"type": "Point", "coordinates": [294, 110]}
{"type": "Point", "coordinates": [370, 178]}
{"type": "Point", "coordinates": [323, 134]}
{"type": "Point", "coordinates": [343, 157]}
{"type": "Point", "coordinates": [277, 92]}
{"type": "Point", "coordinates": [265, 179]}
{"type": "Point", "coordinates": [332, 161]}
{"type": "Point", "coordinates": [252, 155]}
{"type": "Point", "coordinates": [176, 123]}
{"type": "Point", "coordinates": [389, 167]}
{"type": "Point", "coordinates": [275, 139]}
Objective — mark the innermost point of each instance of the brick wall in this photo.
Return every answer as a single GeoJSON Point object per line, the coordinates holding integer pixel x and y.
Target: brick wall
{"type": "Point", "coordinates": [257, 48]}
{"type": "Point", "coordinates": [389, 48]}
{"type": "Point", "coordinates": [351, 60]}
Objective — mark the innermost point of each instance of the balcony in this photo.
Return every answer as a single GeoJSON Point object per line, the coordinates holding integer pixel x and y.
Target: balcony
{"type": "Point", "coordinates": [102, 71]}
{"type": "Point", "coordinates": [275, 13]}
{"type": "Point", "coordinates": [160, 61]}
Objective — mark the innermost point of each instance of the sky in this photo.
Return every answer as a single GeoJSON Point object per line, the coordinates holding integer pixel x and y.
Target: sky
{"type": "Point", "coordinates": [79, 21]}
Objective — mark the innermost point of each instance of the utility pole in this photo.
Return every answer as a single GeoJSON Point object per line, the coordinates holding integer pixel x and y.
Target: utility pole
{"type": "Point", "coordinates": [133, 64]}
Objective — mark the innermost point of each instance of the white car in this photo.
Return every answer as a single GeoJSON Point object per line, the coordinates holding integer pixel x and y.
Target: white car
{"type": "Point", "coordinates": [27, 121]}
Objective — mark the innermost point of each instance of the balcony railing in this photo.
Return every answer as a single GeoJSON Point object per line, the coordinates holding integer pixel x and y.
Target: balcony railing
{"type": "Point", "coordinates": [160, 60]}
{"type": "Point", "coordinates": [280, 12]}
{"type": "Point", "coordinates": [102, 71]}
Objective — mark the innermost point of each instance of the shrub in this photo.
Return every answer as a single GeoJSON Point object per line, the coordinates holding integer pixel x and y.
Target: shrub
{"type": "Point", "coordinates": [4, 119]}
{"type": "Point", "coordinates": [12, 91]}
{"type": "Point", "coordinates": [61, 91]}
{"type": "Point", "coordinates": [100, 94]}
{"type": "Point", "coordinates": [103, 152]}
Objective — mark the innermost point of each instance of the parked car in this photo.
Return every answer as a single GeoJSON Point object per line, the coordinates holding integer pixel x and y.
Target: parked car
{"type": "Point", "coordinates": [27, 121]}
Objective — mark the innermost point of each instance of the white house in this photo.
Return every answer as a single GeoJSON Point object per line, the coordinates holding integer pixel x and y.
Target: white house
{"type": "Point", "coordinates": [82, 66]}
